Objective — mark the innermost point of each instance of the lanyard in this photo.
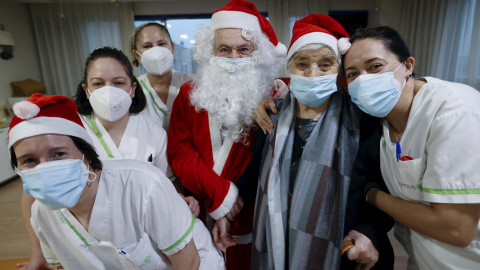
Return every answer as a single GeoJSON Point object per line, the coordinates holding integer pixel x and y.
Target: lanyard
{"type": "Point", "coordinates": [151, 96]}
{"type": "Point", "coordinates": [99, 136]}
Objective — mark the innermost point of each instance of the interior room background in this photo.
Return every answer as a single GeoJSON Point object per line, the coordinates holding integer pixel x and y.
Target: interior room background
{"type": "Point", "coordinates": [53, 37]}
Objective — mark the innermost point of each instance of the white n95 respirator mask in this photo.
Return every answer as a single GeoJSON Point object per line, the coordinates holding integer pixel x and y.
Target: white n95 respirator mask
{"type": "Point", "coordinates": [110, 103]}
{"type": "Point", "coordinates": [157, 60]}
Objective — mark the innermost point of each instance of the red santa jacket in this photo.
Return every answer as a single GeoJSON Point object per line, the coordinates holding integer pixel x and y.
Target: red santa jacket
{"type": "Point", "coordinates": [191, 148]}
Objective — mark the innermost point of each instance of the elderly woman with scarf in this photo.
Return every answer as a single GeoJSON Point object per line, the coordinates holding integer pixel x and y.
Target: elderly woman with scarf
{"type": "Point", "coordinates": [306, 203]}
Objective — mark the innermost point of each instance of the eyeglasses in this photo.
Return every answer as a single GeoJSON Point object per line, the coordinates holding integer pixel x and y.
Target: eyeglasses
{"type": "Point", "coordinates": [226, 51]}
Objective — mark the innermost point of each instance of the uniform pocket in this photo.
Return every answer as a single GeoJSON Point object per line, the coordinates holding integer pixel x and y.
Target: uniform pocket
{"type": "Point", "coordinates": [409, 174]}
{"type": "Point", "coordinates": [146, 255]}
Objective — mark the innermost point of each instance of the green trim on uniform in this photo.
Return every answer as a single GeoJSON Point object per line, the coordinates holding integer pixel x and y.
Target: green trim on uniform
{"type": "Point", "coordinates": [183, 237]}
{"type": "Point", "coordinates": [151, 96]}
{"type": "Point", "coordinates": [99, 136]}
{"type": "Point", "coordinates": [74, 230]}
{"type": "Point", "coordinates": [448, 191]}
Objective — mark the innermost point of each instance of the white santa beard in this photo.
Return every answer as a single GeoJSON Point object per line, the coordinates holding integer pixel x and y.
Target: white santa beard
{"type": "Point", "coordinates": [230, 98]}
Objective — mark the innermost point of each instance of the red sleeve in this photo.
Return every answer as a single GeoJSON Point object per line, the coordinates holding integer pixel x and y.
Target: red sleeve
{"type": "Point", "coordinates": [190, 155]}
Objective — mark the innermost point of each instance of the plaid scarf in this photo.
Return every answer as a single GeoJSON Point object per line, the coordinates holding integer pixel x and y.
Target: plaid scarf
{"type": "Point", "coordinates": [316, 223]}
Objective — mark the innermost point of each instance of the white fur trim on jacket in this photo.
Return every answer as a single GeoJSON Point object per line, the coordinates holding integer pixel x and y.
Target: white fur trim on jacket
{"type": "Point", "coordinates": [227, 203]}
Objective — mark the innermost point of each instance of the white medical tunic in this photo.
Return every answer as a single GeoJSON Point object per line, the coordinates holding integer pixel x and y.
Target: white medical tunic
{"type": "Point", "coordinates": [156, 109]}
{"type": "Point", "coordinates": [137, 219]}
{"type": "Point", "coordinates": [442, 138]}
{"type": "Point", "coordinates": [142, 140]}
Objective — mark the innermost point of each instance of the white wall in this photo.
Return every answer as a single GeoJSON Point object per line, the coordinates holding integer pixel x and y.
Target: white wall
{"type": "Point", "coordinates": [24, 64]}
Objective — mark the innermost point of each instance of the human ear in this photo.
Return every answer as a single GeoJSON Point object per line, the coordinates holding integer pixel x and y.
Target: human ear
{"type": "Point", "coordinates": [86, 90]}
{"type": "Point", "coordinates": [410, 65]}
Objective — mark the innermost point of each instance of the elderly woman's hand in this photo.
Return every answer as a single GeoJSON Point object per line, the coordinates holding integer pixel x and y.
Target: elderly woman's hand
{"type": "Point", "coordinates": [362, 251]}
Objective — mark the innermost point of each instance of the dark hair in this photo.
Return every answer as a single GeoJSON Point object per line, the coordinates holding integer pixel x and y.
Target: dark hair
{"type": "Point", "coordinates": [138, 102]}
{"type": "Point", "coordinates": [388, 36]}
{"type": "Point", "coordinates": [134, 37]}
{"type": "Point", "coordinates": [81, 145]}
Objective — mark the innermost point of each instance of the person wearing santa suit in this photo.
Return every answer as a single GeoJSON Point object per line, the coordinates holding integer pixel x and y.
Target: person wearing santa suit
{"type": "Point", "coordinates": [212, 134]}
{"type": "Point", "coordinates": [92, 214]}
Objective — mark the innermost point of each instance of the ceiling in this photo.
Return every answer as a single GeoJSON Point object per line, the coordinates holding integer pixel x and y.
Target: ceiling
{"type": "Point", "coordinates": [83, 1]}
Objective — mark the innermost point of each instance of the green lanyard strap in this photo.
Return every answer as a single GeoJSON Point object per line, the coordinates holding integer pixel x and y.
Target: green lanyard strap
{"type": "Point", "coordinates": [151, 96]}
{"type": "Point", "coordinates": [99, 136]}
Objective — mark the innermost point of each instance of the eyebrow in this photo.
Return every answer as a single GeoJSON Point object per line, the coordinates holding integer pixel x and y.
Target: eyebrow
{"type": "Point", "coordinates": [366, 62]}
{"type": "Point", "coordinates": [118, 77]}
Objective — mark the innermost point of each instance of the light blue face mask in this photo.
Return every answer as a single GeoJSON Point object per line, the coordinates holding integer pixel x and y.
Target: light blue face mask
{"type": "Point", "coordinates": [57, 184]}
{"type": "Point", "coordinates": [313, 91]}
{"type": "Point", "coordinates": [376, 94]}
{"type": "Point", "coordinates": [231, 65]}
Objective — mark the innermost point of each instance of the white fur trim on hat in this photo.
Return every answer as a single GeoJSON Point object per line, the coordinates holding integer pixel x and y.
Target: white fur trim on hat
{"type": "Point", "coordinates": [314, 37]}
{"type": "Point", "coordinates": [280, 49]}
{"type": "Point", "coordinates": [344, 45]}
{"type": "Point", "coordinates": [25, 110]}
{"type": "Point", "coordinates": [47, 125]}
{"type": "Point", "coordinates": [234, 19]}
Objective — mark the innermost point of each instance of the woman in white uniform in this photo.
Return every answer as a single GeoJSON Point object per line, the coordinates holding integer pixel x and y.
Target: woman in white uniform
{"type": "Point", "coordinates": [92, 214]}
{"type": "Point", "coordinates": [109, 101]}
{"type": "Point", "coordinates": [152, 46]}
{"type": "Point", "coordinates": [429, 151]}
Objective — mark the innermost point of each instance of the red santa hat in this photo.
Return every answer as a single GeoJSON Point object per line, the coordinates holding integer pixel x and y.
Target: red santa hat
{"type": "Point", "coordinates": [46, 115]}
{"type": "Point", "coordinates": [244, 15]}
{"type": "Point", "coordinates": [318, 28]}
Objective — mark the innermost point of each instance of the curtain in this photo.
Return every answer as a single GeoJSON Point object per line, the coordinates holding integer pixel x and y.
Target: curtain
{"type": "Point", "coordinates": [458, 44]}
{"type": "Point", "coordinates": [283, 14]}
{"type": "Point", "coordinates": [64, 42]}
{"type": "Point", "coordinates": [420, 28]}
{"type": "Point", "coordinates": [444, 39]}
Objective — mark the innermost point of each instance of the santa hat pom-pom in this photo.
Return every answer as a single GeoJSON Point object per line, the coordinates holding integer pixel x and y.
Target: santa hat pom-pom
{"type": "Point", "coordinates": [344, 45]}
{"type": "Point", "coordinates": [25, 110]}
{"type": "Point", "coordinates": [280, 49]}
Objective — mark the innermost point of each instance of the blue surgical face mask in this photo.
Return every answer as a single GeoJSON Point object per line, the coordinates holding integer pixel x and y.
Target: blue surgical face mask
{"type": "Point", "coordinates": [57, 184]}
{"type": "Point", "coordinates": [313, 91]}
{"type": "Point", "coordinates": [231, 65]}
{"type": "Point", "coordinates": [376, 94]}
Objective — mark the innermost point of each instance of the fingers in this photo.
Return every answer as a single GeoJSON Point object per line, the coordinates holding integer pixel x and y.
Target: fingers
{"type": "Point", "coordinates": [363, 250]}
{"type": "Point", "coordinates": [193, 205]}
{"type": "Point", "coordinates": [261, 116]}
{"type": "Point", "coordinates": [262, 119]}
{"type": "Point", "coordinates": [236, 208]}
{"type": "Point", "coordinates": [217, 239]}
{"type": "Point", "coordinates": [22, 266]}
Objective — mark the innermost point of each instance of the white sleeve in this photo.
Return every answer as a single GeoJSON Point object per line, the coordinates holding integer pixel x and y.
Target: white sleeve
{"type": "Point", "coordinates": [168, 220]}
{"type": "Point", "coordinates": [452, 174]}
{"type": "Point", "coordinates": [48, 253]}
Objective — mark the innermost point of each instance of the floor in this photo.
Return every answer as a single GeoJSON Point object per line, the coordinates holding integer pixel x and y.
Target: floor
{"type": "Point", "coordinates": [14, 239]}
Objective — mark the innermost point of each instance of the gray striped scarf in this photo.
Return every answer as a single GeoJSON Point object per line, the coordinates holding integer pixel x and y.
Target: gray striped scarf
{"type": "Point", "coordinates": [317, 214]}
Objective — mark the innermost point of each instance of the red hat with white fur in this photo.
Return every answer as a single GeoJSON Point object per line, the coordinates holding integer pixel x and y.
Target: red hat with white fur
{"type": "Point", "coordinates": [318, 28]}
{"type": "Point", "coordinates": [46, 115]}
{"type": "Point", "coordinates": [244, 15]}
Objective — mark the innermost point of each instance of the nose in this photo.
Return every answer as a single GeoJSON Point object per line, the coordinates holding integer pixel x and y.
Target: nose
{"type": "Point", "coordinates": [313, 71]}
{"type": "Point", "coordinates": [235, 54]}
